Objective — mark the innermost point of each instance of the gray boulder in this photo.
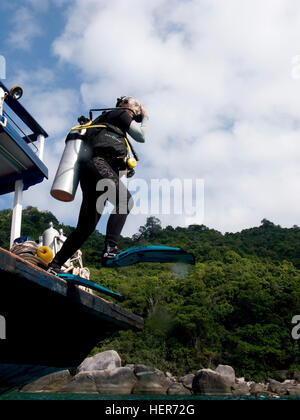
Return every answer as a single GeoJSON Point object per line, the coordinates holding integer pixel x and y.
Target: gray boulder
{"type": "Point", "coordinates": [297, 377]}
{"type": "Point", "coordinates": [49, 383]}
{"type": "Point", "coordinates": [209, 382]}
{"type": "Point", "coordinates": [171, 377]}
{"type": "Point", "coordinates": [227, 372]}
{"type": "Point", "coordinates": [101, 361]}
{"type": "Point", "coordinates": [130, 366]}
{"type": "Point", "coordinates": [115, 381]}
{"type": "Point", "coordinates": [118, 381]}
{"type": "Point", "coordinates": [240, 388]}
{"type": "Point", "coordinates": [258, 389]}
{"type": "Point", "coordinates": [277, 387]}
{"type": "Point", "coordinates": [294, 390]}
{"type": "Point", "coordinates": [187, 381]}
{"type": "Point", "coordinates": [178, 389]}
{"type": "Point", "coordinates": [290, 383]}
{"type": "Point", "coordinates": [150, 381]}
{"type": "Point", "coordinates": [82, 383]}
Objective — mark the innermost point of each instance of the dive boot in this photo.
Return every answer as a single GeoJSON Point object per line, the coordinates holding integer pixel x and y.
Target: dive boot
{"type": "Point", "coordinates": [109, 253]}
{"type": "Point", "coordinates": [54, 268]}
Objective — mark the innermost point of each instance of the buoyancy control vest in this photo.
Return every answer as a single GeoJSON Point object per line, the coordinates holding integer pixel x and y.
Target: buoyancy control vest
{"type": "Point", "coordinates": [107, 140]}
{"type": "Point", "coordinates": [85, 142]}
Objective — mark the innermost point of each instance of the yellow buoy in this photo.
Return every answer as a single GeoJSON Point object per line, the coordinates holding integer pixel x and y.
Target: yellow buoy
{"type": "Point", "coordinates": [45, 253]}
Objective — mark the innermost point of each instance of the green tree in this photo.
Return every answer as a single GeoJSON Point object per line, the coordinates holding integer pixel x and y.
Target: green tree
{"type": "Point", "coordinates": [150, 230]}
{"type": "Point", "coordinates": [234, 307]}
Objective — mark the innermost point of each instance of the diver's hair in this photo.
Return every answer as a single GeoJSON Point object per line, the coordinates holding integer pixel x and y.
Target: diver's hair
{"type": "Point", "coordinates": [124, 100]}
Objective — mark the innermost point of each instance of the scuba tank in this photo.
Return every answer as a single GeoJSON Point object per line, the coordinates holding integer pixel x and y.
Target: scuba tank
{"type": "Point", "coordinates": [49, 237]}
{"type": "Point", "coordinates": [67, 176]}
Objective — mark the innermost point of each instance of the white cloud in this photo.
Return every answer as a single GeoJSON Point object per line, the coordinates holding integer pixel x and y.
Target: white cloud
{"type": "Point", "coordinates": [56, 110]}
{"type": "Point", "coordinates": [24, 29]}
{"type": "Point", "coordinates": [26, 24]}
{"type": "Point", "coordinates": [215, 77]}
{"type": "Point", "coordinates": [216, 80]}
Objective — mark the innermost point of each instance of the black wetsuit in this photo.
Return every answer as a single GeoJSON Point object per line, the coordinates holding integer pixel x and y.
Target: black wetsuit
{"type": "Point", "coordinates": [104, 164]}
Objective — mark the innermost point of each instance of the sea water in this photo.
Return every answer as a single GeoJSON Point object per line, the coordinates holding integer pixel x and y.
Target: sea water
{"type": "Point", "coordinates": [16, 396]}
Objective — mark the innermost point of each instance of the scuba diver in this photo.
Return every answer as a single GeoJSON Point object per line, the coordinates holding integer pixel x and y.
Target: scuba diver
{"type": "Point", "coordinates": [109, 149]}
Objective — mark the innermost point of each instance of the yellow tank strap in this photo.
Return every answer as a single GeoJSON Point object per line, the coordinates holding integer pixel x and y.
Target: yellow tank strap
{"type": "Point", "coordinates": [127, 144]}
{"type": "Point", "coordinates": [86, 126]}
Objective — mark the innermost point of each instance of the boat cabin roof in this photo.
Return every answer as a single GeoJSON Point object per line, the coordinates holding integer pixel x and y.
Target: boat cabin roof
{"type": "Point", "coordinates": [18, 152]}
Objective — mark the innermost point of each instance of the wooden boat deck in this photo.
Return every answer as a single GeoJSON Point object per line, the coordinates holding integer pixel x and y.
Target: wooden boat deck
{"type": "Point", "coordinates": [51, 323]}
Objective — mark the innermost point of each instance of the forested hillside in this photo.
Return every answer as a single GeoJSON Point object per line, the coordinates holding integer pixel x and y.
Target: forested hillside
{"type": "Point", "coordinates": [234, 307]}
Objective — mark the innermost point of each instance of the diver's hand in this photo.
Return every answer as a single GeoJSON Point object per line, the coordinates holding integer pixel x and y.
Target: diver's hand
{"type": "Point", "coordinates": [130, 173]}
{"type": "Point", "coordinates": [143, 111]}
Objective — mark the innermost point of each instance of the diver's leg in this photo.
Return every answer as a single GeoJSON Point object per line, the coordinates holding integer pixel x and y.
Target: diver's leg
{"type": "Point", "coordinates": [87, 221]}
{"type": "Point", "coordinates": [117, 219]}
{"type": "Point", "coordinates": [123, 204]}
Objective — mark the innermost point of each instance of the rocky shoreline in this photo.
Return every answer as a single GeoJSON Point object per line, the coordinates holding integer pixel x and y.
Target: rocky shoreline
{"type": "Point", "coordinates": [104, 374]}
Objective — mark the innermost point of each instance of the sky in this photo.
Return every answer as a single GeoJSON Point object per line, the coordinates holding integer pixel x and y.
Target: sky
{"type": "Point", "coordinates": [220, 81]}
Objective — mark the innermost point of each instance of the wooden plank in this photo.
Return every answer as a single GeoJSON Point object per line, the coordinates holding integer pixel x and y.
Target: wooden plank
{"type": "Point", "coordinates": [99, 307]}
